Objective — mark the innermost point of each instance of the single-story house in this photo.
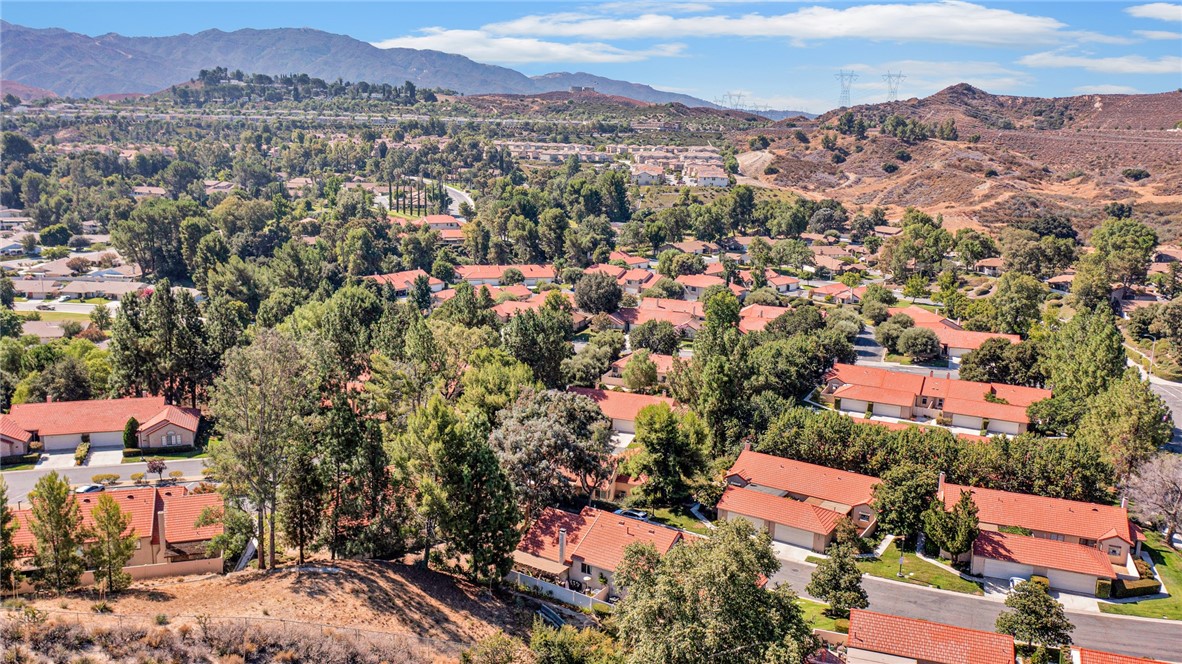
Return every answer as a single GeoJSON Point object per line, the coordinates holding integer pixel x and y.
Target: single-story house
{"type": "Point", "coordinates": [1061, 282]}
{"type": "Point", "coordinates": [1067, 566]}
{"type": "Point", "coordinates": [696, 284]}
{"type": "Point", "coordinates": [615, 374]}
{"type": "Point", "coordinates": [62, 425]}
{"type": "Point", "coordinates": [1086, 656]}
{"type": "Point", "coordinates": [439, 222]}
{"type": "Point", "coordinates": [636, 280]}
{"type": "Point", "coordinates": [35, 289]}
{"type": "Point", "coordinates": [583, 550]}
{"type": "Point", "coordinates": [111, 290]}
{"type": "Point", "coordinates": [490, 275]}
{"type": "Point", "coordinates": [691, 247]}
{"type": "Point", "coordinates": [887, 232]}
{"type": "Point", "coordinates": [990, 267]}
{"type": "Point", "coordinates": [797, 503]}
{"type": "Point", "coordinates": [880, 638]}
{"type": "Point", "coordinates": [840, 293]}
{"type": "Point", "coordinates": [755, 317]}
{"type": "Point", "coordinates": [622, 407]}
{"type": "Point", "coordinates": [613, 271]}
{"type": "Point", "coordinates": [955, 341]}
{"type": "Point", "coordinates": [403, 281]}
{"type": "Point", "coordinates": [633, 262]}
{"type": "Point", "coordinates": [44, 330]}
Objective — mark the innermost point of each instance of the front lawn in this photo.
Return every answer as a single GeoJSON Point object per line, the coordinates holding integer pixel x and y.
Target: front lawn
{"type": "Point", "coordinates": [26, 462]}
{"type": "Point", "coordinates": [814, 615]}
{"type": "Point", "coordinates": [940, 363]}
{"type": "Point", "coordinates": [139, 456]}
{"type": "Point", "coordinates": [55, 315]}
{"type": "Point", "coordinates": [915, 571]}
{"type": "Point", "coordinates": [679, 517]}
{"type": "Point", "coordinates": [1169, 567]}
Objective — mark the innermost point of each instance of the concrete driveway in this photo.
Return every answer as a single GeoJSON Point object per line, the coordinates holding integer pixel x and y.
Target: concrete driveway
{"type": "Point", "coordinates": [105, 456]}
{"type": "Point", "coordinates": [789, 553]}
{"type": "Point", "coordinates": [55, 460]}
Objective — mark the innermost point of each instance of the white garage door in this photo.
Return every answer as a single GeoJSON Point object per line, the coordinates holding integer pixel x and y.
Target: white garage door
{"type": "Point", "coordinates": [758, 523]}
{"type": "Point", "coordinates": [853, 406]}
{"type": "Point", "coordinates": [794, 536]}
{"type": "Point", "coordinates": [1002, 569]}
{"type": "Point", "coordinates": [624, 426]}
{"type": "Point", "coordinates": [1010, 428]}
{"type": "Point", "coordinates": [887, 410]}
{"type": "Point", "coordinates": [966, 421]}
{"type": "Point", "coordinates": [1072, 582]}
{"type": "Point", "coordinates": [107, 439]}
{"type": "Point", "coordinates": [60, 443]}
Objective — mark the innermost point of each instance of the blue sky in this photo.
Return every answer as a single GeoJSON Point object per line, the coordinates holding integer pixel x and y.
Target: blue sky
{"type": "Point", "coordinates": [779, 54]}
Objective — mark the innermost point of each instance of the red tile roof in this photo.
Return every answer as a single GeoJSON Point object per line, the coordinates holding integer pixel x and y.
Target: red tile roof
{"type": "Point", "coordinates": [181, 512]}
{"type": "Point", "coordinates": [777, 509]}
{"type": "Point", "coordinates": [699, 280]}
{"type": "Point", "coordinates": [1096, 657]}
{"type": "Point", "coordinates": [927, 641]}
{"type": "Point", "coordinates": [438, 219]}
{"type": "Point", "coordinates": [638, 276]}
{"type": "Point", "coordinates": [664, 363]}
{"type": "Point", "coordinates": [1050, 515]}
{"type": "Point", "coordinates": [402, 281]}
{"type": "Point", "coordinates": [495, 271]}
{"type": "Point", "coordinates": [627, 258]}
{"type": "Point", "coordinates": [10, 429]}
{"type": "Point", "coordinates": [185, 418]}
{"type": "Point", "coordinates": [621, 405]}
{"type": "Point", "coordinates": [542, 538]}
{"type": "Point", "coordinates": [596, 536]}
{"type": "Point", "coordinates": [77, 417]}
{"type": "Point", "coordinates": [871, 377]}
{"type": "Point", "coordinates": [613, 271]}
{"type": "Point", "coordinates": [798, 477]}
{"type": "Point", "coordinates": [875, 395]}
{"type": "Point", "coordinates": [1039, 552]}
{"type": "Point", "coordinates": [922, 316]}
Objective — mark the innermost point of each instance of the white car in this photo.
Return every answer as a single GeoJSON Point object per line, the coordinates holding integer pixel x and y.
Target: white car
{"type": "Point", "coordinates": [635, 514]}
{"type": "Point", "coordinates": [89, 488]}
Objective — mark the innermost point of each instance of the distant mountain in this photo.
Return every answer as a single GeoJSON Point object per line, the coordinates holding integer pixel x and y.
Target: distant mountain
{"type": "Point", "coordinates": [24, 92]}
{"type": "Point", "coordinates": [76, 65]}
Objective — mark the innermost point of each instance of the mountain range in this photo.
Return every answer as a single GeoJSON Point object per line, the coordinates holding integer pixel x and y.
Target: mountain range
{"type": "Point", "coordinates": [76, 65]}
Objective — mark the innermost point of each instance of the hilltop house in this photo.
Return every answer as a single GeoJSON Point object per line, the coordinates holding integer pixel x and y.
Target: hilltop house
{"type": "Point", "coordinates": [61, 426]}
{"type": "Point", "coordinates": [797, 503]}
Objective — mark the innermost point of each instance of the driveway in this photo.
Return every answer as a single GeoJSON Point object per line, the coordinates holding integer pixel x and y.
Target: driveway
{"type": "Point", "coordinates": [54, 460]}
{"type": "Point", "coordinates": [105, 456]}
{"type": "Point", "coordinates": [788, 553]}
{"type": "Point", "coordinates": [1160, 639]}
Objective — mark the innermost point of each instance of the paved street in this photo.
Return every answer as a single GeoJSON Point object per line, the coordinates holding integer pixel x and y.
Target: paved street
{"type": "Point", "coordinates": [1131, 636]}
{"type": "Point", "coordinates": [61, 307]}
{"type": "Point", "coordinates": [20, 482]}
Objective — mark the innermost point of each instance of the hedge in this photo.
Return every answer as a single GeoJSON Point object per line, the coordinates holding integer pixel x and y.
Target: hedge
{"type": "Point", "coordinates": [1137, 588]}
{"type": "Point", "coordinates": [80, 453]}
{"type": "Point", "coordinates": [1103, 588]}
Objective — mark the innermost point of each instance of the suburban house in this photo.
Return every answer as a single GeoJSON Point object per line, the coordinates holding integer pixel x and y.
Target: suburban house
{"type": "Point", "coordinates": [44, 330]}
{"type": "Point", "coordinates": [112, 290]}
{"type": "Point", "coordinates": [990, 267]}
{"type": "Point", "coordinates": [402, 282]}
{"type": "Point", "coordinates": [755, 317]}
{"type": "Point", "coordinates": [1061, 283]}
{"type": "Point", "coordinates": [61, 426]}
{"type": "Point", "coordinates": [490, 275]}
{"type": "Point", "coordinates": [887, 232]}
{"type": "Point", "coordinates": [613, 271]}
{"type": "Point", "coordinates": [165, 521]}
{"type": "Point", "coordinates": [696, 285]}
{"type": "Point", "coordinates": [615, 375]}
{"type": "Point", "coordinates": [836, 292]}
{"type": "Point", "coordinates": [955, 341]}
{"type": "Point", "coordinates": [833, 265]}
{"type": "Point", "coordinates": [989, 407]}
{"type": "Point", "coordinates": [797, 503]}
{"type": "Point", "coordinates": [581, 551]}
{"type": "Point", "coordinates": [633, 262]}
{"type": "Point", "coordinates": [1072, 543]}
{"type": "Point", "coordinates": [706, 176]}
{"type": "Point", "coordinates": [622, 407]}
{"type": "Point", "coordinates": [647, 174]}
{"type": "Point", "coordinates": [439, 222]}
{"type": "Point", "coordinates": [686, 317]}
{"type": "Point", "coordinates": [691, 247]}
{"type": "Point", "coordinates": [879, 638]}
{"type": "Point", "coordinates": [636, 280]}
{"type": "Point", "coordinates": [1086, 656]}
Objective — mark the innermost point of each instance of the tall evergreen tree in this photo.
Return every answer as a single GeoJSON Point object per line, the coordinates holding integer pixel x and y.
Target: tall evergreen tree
{"type": "Point", "coordinates": [838, 582]}
{"type": "Point", "coordinates": [8, 552]}
{"type": "Point", "coordinates": [301, 500]}
{"type": "Point", "coordinates": [1082, 358]}
{"type": "Point", "coordinates": [953, 531]}
{"type": "Point", "coordinates": [113, 545]}
{"type": "Point", "coordinates": [56, 524]}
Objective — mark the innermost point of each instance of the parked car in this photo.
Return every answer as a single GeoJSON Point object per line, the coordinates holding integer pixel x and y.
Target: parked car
{"type": "Point", "coordinates": [635, 514]}
{"type": "Point", "coordinates": [45, 307]}
{"type": "Point", "coordinates": [89, 488]}
{"type": "Point", "coordinates": [64, 298]}
{"type": "Point", "coordinates": [1015, 580]}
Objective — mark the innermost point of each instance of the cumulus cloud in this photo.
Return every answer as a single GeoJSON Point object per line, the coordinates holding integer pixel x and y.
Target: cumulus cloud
{"type": "Point", "coordinates": [483, 47]}
{"type": "Point", "coordinates": [1162, 11]}
{"type": "Point", "coordinates": [947, 21]}
{"type": "Point", "coordinates": [1158, 34]}
{"type": "Point", "coordinates": [1122, 64]}
{"type": "Point", "coordinates": [1106, 90]}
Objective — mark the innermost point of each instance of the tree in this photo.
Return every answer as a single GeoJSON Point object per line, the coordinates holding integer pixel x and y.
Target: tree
{"type": "Point", "coordinates": [1128, 421]}
{"type": "Point", "coordinates": [55, 236]}
{"type": "Point", "coordinates": [1018, 298]}
{"type": "Point", "coordinates": [902, 496]}
{"type": "Point", "coordinates": [541, 339]}
{"type": "Point", "coordinates": [953, 531]}
{"type": "Point", "coordinates": [919, 343]}
{"type": "Point", "coordinates": [658, 336]}
{"type": "Point", "coordinates": [259, 400]}
{"type": "Point", "coordinates": [668, 456]}
{"type": "Point", "coordinates": [1092, 285]}
{"type": "Point", "coordinates": [1081, 359]}
{"type": "Point", "coordinates": [709, 601]}
{"type": "Point", "coordinates": [158, 467]}
{"type": "Point", "coordinates": [420, 292]}
{"type": "Point", "coordinates": [301, 500]}
{"type": "Point", "coordinates": [1036, 618]}
{"type": "Point", "coordinates": [571, 645]}
{"type": "Point", "coordinates": [56, 524]}
{"type": "Point", "coordinates": [131, 439]}
{"type": "Point", "coordinates": [512, 276]}
{"type": "Point", "coordinates": [114, 544]}
{"type": "Point", "coordinates": [640, 374]}
{"type": "Point", "coordinates": [8, 551]}
{"type": "Point", "coordinates": [1127, 246]}
{"type": "Point", "coordinates": [916, 287]}
{"type": "Point", "coordinates": [597, 293]}
{"type": "Point", "coordinates": [1156, 491]}
{"type": "Point", "coordinates": [101, 317]}
{"type": "Point", "coordinates": [837, 581]}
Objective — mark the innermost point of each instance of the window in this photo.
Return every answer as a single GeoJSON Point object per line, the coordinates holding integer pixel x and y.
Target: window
{"type": "Point", "coordinates": [1087, 542]}
{"type": "Point", "coordinates": [171, 438]}
{"type": "Point", "coordinates": [584, 568]}
{"type": "Point", "coordinates": [863, 518]}
{"type": "Point", "coordinates": [1114, 551]}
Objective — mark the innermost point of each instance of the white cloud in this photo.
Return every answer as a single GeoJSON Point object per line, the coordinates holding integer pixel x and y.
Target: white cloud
{"type": "Point", "coordinates": [947, 21]}
{"type": "Point", "coordinates": [483, 47]}
{"type": "Point", "coordinates": [1123, 64]}
{"type": "Point", "coordinates": [1158, 34]}
{"type": "Point", "coordinates": [1162, 11]}
{"type": "Point", "coordinates": [1107, 90]}
{"type": "Point", "coordinates": [925, 77]}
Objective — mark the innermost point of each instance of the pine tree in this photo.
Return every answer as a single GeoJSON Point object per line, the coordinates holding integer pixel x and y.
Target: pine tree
{"type": "Point", "coordinates": [114, 544]}
{"type": "Point", "coordinates": [301, 500]}
{"type": "Point", "coordinates": [8, 528]}
{"type": "Point", "coordinates": [838, 582]}
{"type": "Point", "coordinates": [56, 524]}
{"type": "Point", "coordinates": [953, 531]}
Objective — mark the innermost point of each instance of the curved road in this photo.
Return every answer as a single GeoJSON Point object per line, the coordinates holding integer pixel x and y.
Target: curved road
{"type": "Point", "coordinates": [1160, 639]}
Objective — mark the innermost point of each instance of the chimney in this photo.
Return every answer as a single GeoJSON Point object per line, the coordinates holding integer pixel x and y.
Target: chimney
{"type": "Point", "coordinates": [562, 546]}
{"type": "Point", "coordinates": [747, 446]}
{"type": "Point", "coordinates": [931, 373]}
{"type": "Point", "coordinates": [161, 535]}
{"type": "Point", "coordinates": [940, 486]}
{"type": "Point", "coordinates": [1124, 502]}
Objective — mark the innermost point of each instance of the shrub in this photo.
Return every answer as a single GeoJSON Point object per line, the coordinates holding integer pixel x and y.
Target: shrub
{"type": "Point", "coordinates": [991, 173]}
{"type": "Point", "coordinates": [130, 438]}
{"type": "Point", "coordinates": [1103, 588]}
{"type": "Point", "coordinates": [105, 478]}
{"type": "Point", "coordinates": [770, 170]}
{"type": "Point", "coordinates": [177, 474]}
{"type": "Point", "coordinates": [1135, 174]}
{"type": "Point", "coordinates": [161, 619]}
{"type": "Point", "coordinates": [100, 607]}
{"type": "Point", "coordinates": [80, 454]}
{"type": "Point", "coordinates": [1042, 581]}
{"type": "Point", "coordinates": [890, 167]}
{"type": "Point", "coordinates": [138, 478]}
{"type": "Point", "coordinates": [1144, 569]}
{"type": "Point", "coordinates": [903, 156]}
{"type": "Point", "coordinates": [1137, 588]}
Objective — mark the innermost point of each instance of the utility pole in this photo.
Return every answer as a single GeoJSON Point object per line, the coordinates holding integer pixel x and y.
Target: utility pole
{"type": "Point", "coordinates": [893, 80]}
{"type": "Point", "coordinates": [846, 79]}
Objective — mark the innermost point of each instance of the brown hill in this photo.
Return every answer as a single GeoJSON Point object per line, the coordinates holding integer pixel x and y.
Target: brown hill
{"type": "Point", "coordinates": [25, 92]}
{"type": "Point", "coordinates": [591, 104]}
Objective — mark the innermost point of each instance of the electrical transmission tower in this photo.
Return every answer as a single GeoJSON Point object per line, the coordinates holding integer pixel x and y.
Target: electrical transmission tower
{"type": "Point", "coordinates": [893, 81]}
{"type": "Point", "coordinates": [846, 78]}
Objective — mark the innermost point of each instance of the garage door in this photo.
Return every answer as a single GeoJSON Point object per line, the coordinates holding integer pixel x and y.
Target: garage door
{"type": "Point", "coordinates": [1072, 582]}
{"type": "Point", "coordinates": [853, 406]}
{"type": "Point", "coordinates": [60, 443]}
{"type": "Point", "coordinates": [758, 523]}
{"type": "Point", "coordinates": [887, 410]}
{"type": "Point", "coordinates": [107, 439]}
{"type": "Point", "coordinates": [1001, 569]}
{"type": "Point", "coordinates": [966, 421]}
{"type": "Point", "coordinates": [794, 536]}
{"type": "Point", "coordinates": [1010, 428]}
{"type": "Point", "coordinates": [624, 426]}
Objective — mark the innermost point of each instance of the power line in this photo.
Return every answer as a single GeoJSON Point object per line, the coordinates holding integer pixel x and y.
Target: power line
{"type": "Point", "coordinates": [893, 80]}
{"type": "Point", "coordinates": [846, 78]}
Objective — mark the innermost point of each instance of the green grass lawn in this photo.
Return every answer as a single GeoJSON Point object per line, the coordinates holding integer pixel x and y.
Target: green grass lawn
{"type": "Point", "coordinates": [56, 315]}
{"type": "Point", "coordinates": [26, 462]}
{"type": "Point", "coordinates": [814, 615]}
{"type": "Point", "coordinates": [1169, 567]}
{"type": "Point", "coordinates": [135, 456]}
{"type": "Point", "coordinates": [903, 359]}
{"type": "Point", "coordinates": [679, 517]}
{"type": "Point", "coordinates": [91, 300]}
{"type": "Point", "coordinates": [915, 571]}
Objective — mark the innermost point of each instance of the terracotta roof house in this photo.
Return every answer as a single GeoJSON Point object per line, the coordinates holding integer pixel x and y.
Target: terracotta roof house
{"type": "Point", "coordinates": [696, 284]}
{"type": "Point", "coordinates": [403, 281]}
{"type": "Point", "coordinates": [833, 264]}
{"type": "Point", "coordinates": [1103, 530]}
{"type": "Point", "coordinates": [622, 407]}
{"type": "Point", "coordinates": [839, 293]}
{"type": "Point", "coordinates": [438, 222]}
{"type": "Point", "coordinates": [908, 640]}
{"type": "Point", "coordinates": [631, 261]}
{"type": "Point", "coordinates": [990, 267]}
{"type": "Point", "coordinates": [954, 341]}
{"type": "Point", "coordinates": [887, 231]}
{"type": "Point", "coordinates": [757, 316]}
{"type": "Point", "coordinates": [583, 550]}
{"type": "Point", "coordinates": [797, 503]}
{"type": "Point", "coordinates": [613, 271]}
{"type": "Point", "coordinates": [636, 280]}
{"type": "Point", "coordinates": [62, 425]}
{"type": "Point", "coordinates": [490, 275]}
{"type": "Point", "coordinates": [870, 391]}
{"type": "Point", "coordinates": [691, 247]}
{"type": "Point", "coordinates": [165, 520]}
{"type": "Point", "coordinates": [1086, 656]}
{"type": "Point", "coordinates": [615, 374]}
